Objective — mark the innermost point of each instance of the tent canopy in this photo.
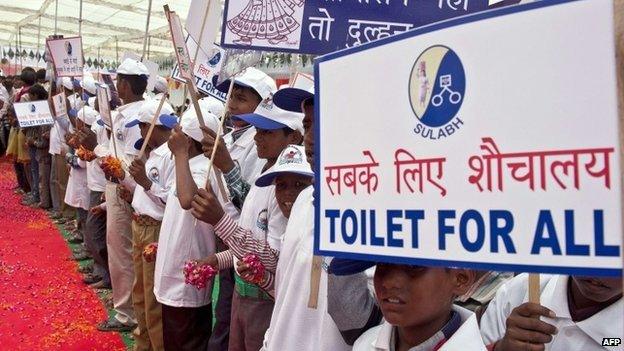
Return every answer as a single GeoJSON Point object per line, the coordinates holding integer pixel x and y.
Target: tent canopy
{"type": "Point", "coordinates": [113, 26]}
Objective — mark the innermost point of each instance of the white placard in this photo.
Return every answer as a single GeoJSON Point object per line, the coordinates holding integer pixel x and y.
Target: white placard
{"type": "Point", "coordinates": [203, 22]}
{"type": "Point", "coordinates": [103, 104]}
{"type": "Point", "coordinates": [464, 153]}
{"type": "Point", "coordinates": [67, 56]}
{"type": "Point", "coordinates": [181, 51]}
{"type": "Point", "coordinates": [32, 114]}
{"type": "Point", "coordinates": [206, 68]}
{"type": "Point", "coordinates": [59, 103]}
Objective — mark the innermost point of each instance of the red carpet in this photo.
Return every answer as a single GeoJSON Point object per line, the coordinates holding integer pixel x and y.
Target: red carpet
{"type": "Point", "coordinates": [43, 303]}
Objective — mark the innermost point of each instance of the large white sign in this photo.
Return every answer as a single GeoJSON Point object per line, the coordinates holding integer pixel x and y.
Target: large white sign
{"type": "Point", "coordinates": [67, 56]}
{"type": "Point", "coordinates": [32, 114]}
{"type": "Point", "coordinates": [464, 153]}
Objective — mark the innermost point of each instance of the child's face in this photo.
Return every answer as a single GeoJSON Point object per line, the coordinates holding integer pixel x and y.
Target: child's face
{"type": "Point", "coordinates": [287, 188]}
{"type": "Point", "coordinates": [242, 101]}
{"type": "Point", "coordinates": [599, 289]}
{"type": "Point", "coordinates": [414, 296]}
{"type": "Point", "coordinates": [270, 143]}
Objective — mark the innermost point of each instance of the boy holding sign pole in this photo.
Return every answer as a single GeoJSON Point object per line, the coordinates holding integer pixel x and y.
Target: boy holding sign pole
{"type": "Point", "coordinates": [574, 313]}
{"type": "Point", "coordinates": [132, 76]}
{"type": "Point", "coordinates": [186, 310]}
{"type": "Point", "coordinates": [237, 158]}
{"type": "Point", "coordinates": [154, 178]}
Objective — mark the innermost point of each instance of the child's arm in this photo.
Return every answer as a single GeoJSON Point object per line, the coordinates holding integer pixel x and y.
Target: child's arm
{"type": "Point", "coordinates": [206, 208]}
{"type": "Point", "coordinates": [524, 329]}
{"type": "Point", "coordinates": [509, 323]}
{"type": "Point", "coordinates": [185, 185]}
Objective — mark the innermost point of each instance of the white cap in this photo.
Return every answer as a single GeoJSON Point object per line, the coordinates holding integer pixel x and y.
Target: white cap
{"type": "Point", "coordinates": [268, 116]}
{"type": "Point", "coordinates": [291, 160]}
{"type": "Point", "coordinates": [88, 84]}
{"type": "Point", "coordinates": [161, 85]}
{"type": "Point", "coordinates": [213, 105]}
{"type": "Point", "coordinates": [148, 110]}
{"type": "Point", "coordinates": [67, 83]}
{"type": "Point", "coordinates": [88, 115]}
{"type": "Point", "coordinates": [133, 67]}
{"type": "Point", "coordinates": [190, 123]}
{"type": "Point", "coordinates": [255, 79]}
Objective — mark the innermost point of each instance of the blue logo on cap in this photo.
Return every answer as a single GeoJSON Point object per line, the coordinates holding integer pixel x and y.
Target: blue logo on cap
{"type": "Point", "coordinates": [33, 108]}
{"type": "Point", "coordinates": [436, 89]}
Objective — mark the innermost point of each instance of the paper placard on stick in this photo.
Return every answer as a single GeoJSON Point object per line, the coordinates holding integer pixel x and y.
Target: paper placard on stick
{"type": "Point", "coordinates": [32, 114]}
{"type": "Point", "coordinates": [60, 107]}
{"type": "Point", "coordinates": [207, 69]}
{"type": "Point", "coordinates": [302, 81]}
{"type": "Point", "coordinates": [67, 56]}
{"type": "Point", "coordinates": [181, 51]}
{"type": "Point", "coordinates": [474, 169]}
{"type": "Point", "coordinates": [203, 29]}
{"type": "Point", "coordinates": [103, 104]}
{"type": "Point", "coordinates": [236, 61]}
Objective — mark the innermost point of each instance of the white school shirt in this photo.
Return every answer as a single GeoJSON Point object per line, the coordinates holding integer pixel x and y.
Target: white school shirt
{"type": "Point", "coordinates": [183, 238]}
{"type": "Point", "coordinates": [586, 335]}
{"type": "Point", "coordinates": [160, 169]}
{"type": "Point", "coordinates": [244, 151]}
{"type": "Point", "coordinates": [57, 136]}
{"type": "Point", "coordinates": [262, 216]}
{"type": "Point", "coordinates": [294, 326]}
{"type": "Point", "coordinates": [125, 138]}
{"type": "Point", "coordinates": [96, 180]}
{"type": "Point", "coordinates": [467, 337]}
{"type": "Point", "coordinates": [77, 192]}
{"type": "Point", "coordinates": [6, 99]}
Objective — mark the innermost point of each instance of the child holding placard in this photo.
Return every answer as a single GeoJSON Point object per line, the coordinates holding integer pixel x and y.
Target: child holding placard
{"type": "Point", "coordinates": [575, 314]}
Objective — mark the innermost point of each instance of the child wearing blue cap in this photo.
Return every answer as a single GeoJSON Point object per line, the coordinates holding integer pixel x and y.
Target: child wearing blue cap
{"type": "Point", "coordinates": [154, 178]}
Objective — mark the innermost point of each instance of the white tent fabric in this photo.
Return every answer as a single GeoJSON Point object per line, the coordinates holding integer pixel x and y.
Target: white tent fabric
{"type": "Point", "coordinates": [112, 26]}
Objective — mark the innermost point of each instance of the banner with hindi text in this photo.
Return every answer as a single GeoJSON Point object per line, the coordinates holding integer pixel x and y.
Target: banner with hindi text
{"type": "Point", "coordinates": [485, 161]}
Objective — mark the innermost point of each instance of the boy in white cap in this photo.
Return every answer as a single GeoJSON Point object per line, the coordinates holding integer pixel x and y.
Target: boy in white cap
{"type": "Point", "coordinates": [132, 76]}
{"type": "Point", "coordinates": [251, 307]}
{"type": "Point", "coordinates": [77, 193]}
{"type": "Point", "coordinates": [154, 178]}
{"type": "Point", "coordinates": [291, 174]}
{"type": "Point", "coordinates": [237, 159]}
{"type": "Point", "coordinates": [314, 327]}
{"type": "Point", "coordinates": [58, 172]}
{"type": "Point", "coordinates": [186, 310]}
{"type": "Point", "coordinates": [160, 87]}
{"type": "Point", "coordinates": [95, 226]}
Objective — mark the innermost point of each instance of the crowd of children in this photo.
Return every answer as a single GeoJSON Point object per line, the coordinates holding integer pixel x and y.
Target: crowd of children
{"type": "Point", "coordinates": [138, 188]}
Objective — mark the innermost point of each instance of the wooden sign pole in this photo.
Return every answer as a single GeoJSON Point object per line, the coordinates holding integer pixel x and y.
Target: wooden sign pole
{"type": "Point", "coordinates": [152, 125]}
